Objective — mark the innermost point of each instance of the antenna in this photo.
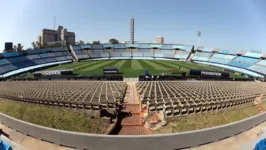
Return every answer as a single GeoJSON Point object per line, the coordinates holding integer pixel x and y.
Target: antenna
{"type": "Point", "coordinates": [54, 21]}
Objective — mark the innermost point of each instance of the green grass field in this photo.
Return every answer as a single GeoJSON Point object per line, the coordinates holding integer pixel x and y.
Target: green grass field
{"type": "Point", "coordinates": [52, 117]}
{"type": "Point", "coordinates": [201, 121]}
{"type": "Point", "coordinates": [134, 68]}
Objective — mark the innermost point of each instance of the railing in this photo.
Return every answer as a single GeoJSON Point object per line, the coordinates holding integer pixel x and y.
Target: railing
{"type": "Point", "coordinates": [110, 142]}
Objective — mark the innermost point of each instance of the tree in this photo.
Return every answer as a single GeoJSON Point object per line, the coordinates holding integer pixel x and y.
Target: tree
{"type": "Point", "coordinates": [96, 42]}
{"type": "Point", "coordinates": [113, 41]}
{"type": "Point", "coordinates": [88, 43]}
{"type": "Point", "coordinates": [19, 47]}
{"type": "Point", "coordinates": [38, 45]}
{"type": "Point", "coordinates": [15, 48]}
{"type": "Point", "coordinates": [56, 45]}
{"type": "Point", "coordinates": [34, 45]}
{"type": "Point", "coordinates": [80, 42]}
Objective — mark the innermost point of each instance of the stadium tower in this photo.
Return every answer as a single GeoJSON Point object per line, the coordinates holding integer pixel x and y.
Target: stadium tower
{"type": "Point", "coordinates": [132, 30]}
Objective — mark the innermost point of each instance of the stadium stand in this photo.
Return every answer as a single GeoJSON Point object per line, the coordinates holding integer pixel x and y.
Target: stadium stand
{"type": "Point", "coordinates": [207, 49]}
{"type": "Point", "coordinates": [201, 56]}
{"type": "Point", "coordinates": [255, 55]}
{"type": "Point", "coordinates": [224, 58]}
{"type": "Point", "coordinates": [132, 51]}
{"type": "Point", "coordinates": [236, 69]}
{"type": "Point", "coordinates": [258, 68]}
{"type": "Point", "coordinates": [262, 62]}
{"type": "Point", "coordinates": [182, 98]}
{"type": "Point", "coordinates": [10, 54]}
{"type": "Point", "coordinates": [225, 51]}
{"type": "Point", "coordinates": [228, 59]}
{"type": "Point", "coordinates": [13, 63]}
{"type": "Point", "coordinates": [82, 94]}
{"type": "Point", "coordinates": [244, 62]}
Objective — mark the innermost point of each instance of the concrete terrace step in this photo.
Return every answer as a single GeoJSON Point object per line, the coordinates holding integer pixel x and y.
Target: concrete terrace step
{"type": "Point", "coordinates": [135, 130]}
{"type": "Point", "coordinates": [132, 108]}
{"type": "Point", "coordinates": [132, 96]}
{"type": "Point", "coordinates": [133, 120]}
{"type": "Point", "coordinates": [133, 123]}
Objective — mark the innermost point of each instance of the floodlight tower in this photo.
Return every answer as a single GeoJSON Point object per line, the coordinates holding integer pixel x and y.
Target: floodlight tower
{"type": "Point", "coordinates": [132, 30]}
{"type": "Point", "coordinates": [199, 36]}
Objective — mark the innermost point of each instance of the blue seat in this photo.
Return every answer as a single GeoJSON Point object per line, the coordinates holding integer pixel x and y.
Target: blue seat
{"type": "Point", "coordinates": [262, 62]}
{"type": "Point", "coordinates": [24, 64]}
{"type": "Point", "coordinates": [46, 55]}
{"type": "Point", "coordinates": [120, 50]}
{"type": "Point", "coordinates": [10, 54]}
{"type": "Point", "coordinates": [256, 55]}
{"type": "Point", "coordinates": [166, 51]}
{"type": "Point", "coordinates": [246, 59]}
{"type": "Point", "coordinates": [35, 56]}
{"type": "Point", "coordinates": [261, 145]}
{"type": "Point", "coordinates": [57, 54]}
{"type": "Point", "coordinates": [97, 46]}
{"type": "Point", "coordinates": [4, 146]}
{"type": "Point", "coordinates": [60, 58]}
{"type": "Point", "coordinates": [86, 46]}
{"type": "Point", "coordinates": [147, 46]}
{"type": "Point", "coordinates": [78, 52]}
{"type": "Point", "coordinates": [98, 51]}
{"type": "Point", "coordinates": [2, 70]}
{"type": "Point", "coordinates": [158, 55]}
{"type": "Point", "coordinates": [132, 45]}
{"type": "Point", "coordinates": [166, 46]}
{"type": "Point", "coordinates": [59, 49]}
{"type": "Point", "coordinates": [66, 53]}
{"type": "Point", "coordinates": [144, 50]}
{"type": "Point", "coordinates": [178, 47]}
{"type": "Point", "coordinates": [3, 62]}
{"type": "Point", "coordinates": [105, 55]}
{"type": "Point", "coordinates": [119, 45]}
{"type": "Point", "coordinates": [76, 47]}
{"type": "Point", "coordinates": [136, 54]}
{"type": "Point", "coordinates": [225, 51]}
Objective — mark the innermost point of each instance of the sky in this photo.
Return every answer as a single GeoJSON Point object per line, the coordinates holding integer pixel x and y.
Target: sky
{"type": "Point", "coordinates": [225, 24]}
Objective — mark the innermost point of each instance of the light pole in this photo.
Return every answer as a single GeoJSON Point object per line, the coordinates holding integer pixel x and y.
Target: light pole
{"type": "Point", "coordinates": [199, 36]}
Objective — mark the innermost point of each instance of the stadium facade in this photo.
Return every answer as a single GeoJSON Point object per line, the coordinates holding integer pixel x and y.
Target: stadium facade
{"type": "Point", "coordinates": [248, 63]}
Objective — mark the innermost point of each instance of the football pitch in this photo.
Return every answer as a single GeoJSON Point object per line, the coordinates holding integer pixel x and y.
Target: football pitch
{"type": "Point", "coordinates": [134, 68]}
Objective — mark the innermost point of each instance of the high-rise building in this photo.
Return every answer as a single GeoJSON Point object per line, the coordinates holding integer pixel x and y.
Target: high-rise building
{"type": "Point", "coordinates": [61, 34]}
{"type": "Point", "coordinates": [132, 30]}
{"type": "Point", "coordinates": [159, 39]}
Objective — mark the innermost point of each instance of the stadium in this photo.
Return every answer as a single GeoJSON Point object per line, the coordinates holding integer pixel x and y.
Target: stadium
{"type": "Point", "coordinates": [141, 90]}
{"type": "Point", "coordinates": [134, 95]}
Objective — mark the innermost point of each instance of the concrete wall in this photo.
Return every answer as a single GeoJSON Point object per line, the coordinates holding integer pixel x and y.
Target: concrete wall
{"type": "Point", "coordinates": [155, 142]}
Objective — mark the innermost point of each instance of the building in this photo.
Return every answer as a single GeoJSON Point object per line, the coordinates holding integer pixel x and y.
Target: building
{"type": "Point", "coordinates": [132, 30]}
{"type": "Point", "coordinates": [159, 39]}
{"type": "Point", "coordinates": [8, 46]}
{"type": "Point", "coordinates": [61, 35]}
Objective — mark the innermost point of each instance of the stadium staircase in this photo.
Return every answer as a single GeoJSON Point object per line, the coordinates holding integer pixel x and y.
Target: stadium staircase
{"type": "Point", "coordinates": [190, 56]}
{"type": "Point", "coordinates": [133, 121]}
{"type": "Point", "coordinates": [257, 103]}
